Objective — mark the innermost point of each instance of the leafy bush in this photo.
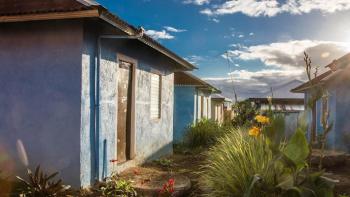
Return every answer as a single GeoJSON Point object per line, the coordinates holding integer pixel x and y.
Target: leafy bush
{"type": "Point", "coordinates": [114, 186]}
{"type": "Point", "coordinates": [40, 184]}
{"type": "Point", "coordinates": [262, 164]}
{"type": "Point", "coordinates": [203, 134]}
{"type": "Point", "coordinates": [244, 113]}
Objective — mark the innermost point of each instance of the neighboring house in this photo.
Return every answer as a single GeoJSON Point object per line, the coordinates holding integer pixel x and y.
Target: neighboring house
{"type": "Point", "coordinates": [220, 107]}
{"type": "Point", "coordinates": [192, 102]}
{"type": "Point", "coordinates": [82, 88]}
{"type": "Point", "coordinates": [336, 80]}
{"type": "Point", "coordinates": [291, 105]}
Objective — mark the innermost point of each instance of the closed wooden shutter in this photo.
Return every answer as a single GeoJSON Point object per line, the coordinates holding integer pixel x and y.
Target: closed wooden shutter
{"type": "Point", "coordinates": [155, 96]}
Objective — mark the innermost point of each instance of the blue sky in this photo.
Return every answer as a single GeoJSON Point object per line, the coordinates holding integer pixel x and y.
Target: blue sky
{"type": "Point", "coordinates": [265, 39]}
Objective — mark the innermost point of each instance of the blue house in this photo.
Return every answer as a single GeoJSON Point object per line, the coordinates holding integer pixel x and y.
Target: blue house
{"type": "Point", "coordinates": [192, 102]}
{"type": "Point", "coordinates": [82, 92]}
{"type": "Point", "coordinates": [336, 80]}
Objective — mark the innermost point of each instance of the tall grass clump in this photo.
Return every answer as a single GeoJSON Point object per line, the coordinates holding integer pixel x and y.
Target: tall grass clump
{"type": "Point", "coordinates": [203, 134]}
{"type": "Point", "coordinates": [234, 163]}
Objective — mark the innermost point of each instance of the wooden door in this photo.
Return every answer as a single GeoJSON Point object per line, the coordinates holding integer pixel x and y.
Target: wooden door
{"type": "Point", "coordinates": [124, 111]}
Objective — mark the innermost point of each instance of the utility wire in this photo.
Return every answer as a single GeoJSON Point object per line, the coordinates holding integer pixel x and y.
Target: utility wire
{"type": "Point", "coordinates": [231, 70]}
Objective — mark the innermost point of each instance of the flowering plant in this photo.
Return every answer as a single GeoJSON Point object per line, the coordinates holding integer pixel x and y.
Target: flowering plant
{"type": "Point", "coordinates": [168, 189]}
{"type": "Point", "coordinates": [262, 121]}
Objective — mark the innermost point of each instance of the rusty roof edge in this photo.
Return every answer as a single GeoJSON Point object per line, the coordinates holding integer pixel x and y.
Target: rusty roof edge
{"type": "Point", "coordinates": [131, 30]}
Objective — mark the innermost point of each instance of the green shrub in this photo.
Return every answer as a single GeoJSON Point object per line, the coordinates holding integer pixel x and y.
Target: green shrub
{"type": "Point", "coordinates": [244, 113]}
{"type": "Point", "coordinates": [203, 134]}
{"type": "Point", "coordinates": [114, 186]}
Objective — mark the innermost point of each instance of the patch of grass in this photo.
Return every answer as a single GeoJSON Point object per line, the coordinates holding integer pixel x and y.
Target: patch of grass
{"type": "Point", "coordinates": [203, 134]}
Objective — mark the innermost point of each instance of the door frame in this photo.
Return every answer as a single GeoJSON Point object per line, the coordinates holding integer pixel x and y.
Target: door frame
{"type": "Point", "coordinates": [131, 139]}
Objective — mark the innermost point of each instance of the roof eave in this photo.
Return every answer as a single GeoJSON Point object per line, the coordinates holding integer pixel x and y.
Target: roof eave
{"type": "Point", "coordinates": [131, 30]}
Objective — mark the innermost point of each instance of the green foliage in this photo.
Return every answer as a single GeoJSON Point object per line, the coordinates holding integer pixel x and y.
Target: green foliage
{"type": "Point", "coordinates": [266, 165]}
{"type": "Point", "coordinates": [114, 186]}
{"type": "Point", "coordinates": [244, 113]}
{"type": "Point", "coordinates": [203, 134]}
{"type": "Point", "coordinates": [40, 184]}
{"type": "Point", "coordinates": [235, 165]}
{"type": "Point", "coordinates": [164, 162]}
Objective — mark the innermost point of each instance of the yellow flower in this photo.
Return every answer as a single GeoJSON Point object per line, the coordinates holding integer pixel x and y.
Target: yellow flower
{"type": "Point", "coordinates": [254, 131]}
{"type": "Point", "coordinates": [262, 119]}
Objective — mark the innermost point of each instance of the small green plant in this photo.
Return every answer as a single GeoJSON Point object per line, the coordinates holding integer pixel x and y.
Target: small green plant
{"type": "Point", "coordinates": [203, 134]}
{"type": "Point", "coordinates": [40, 184]}
{"type": "Point", "coordinates": [114, 186]}
{"type": "Point", "coordinates": [164, 162]}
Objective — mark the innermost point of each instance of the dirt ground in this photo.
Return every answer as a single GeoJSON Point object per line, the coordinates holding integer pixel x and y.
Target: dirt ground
{"type": "Point", "coordinates": [188, 165]}
{"type": "Point", "coordinates": [179, 165]}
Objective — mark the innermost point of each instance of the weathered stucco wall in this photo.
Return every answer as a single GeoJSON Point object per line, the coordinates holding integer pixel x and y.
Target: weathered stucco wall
{"type": "Point", "coordinates": [40, 82]}
{"type": "Point", "coordinates": [184, 108]}
{"type": "Point", "coordinates": [153, 137]}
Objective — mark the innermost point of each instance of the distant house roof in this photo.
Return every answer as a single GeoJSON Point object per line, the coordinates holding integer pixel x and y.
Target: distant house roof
{"type": "Point", "coordinates": [283, 91]}
{"type": "Point", "coordinates": [34, 10]}
{"type": "Point", "coordinates": [335, 68]}
{"type": "Point", "coordinates": [280, 101]}
{"type": "Point", "coordinates": [188, 79]}
{"type": "Point", "coordinates": [220, 97]}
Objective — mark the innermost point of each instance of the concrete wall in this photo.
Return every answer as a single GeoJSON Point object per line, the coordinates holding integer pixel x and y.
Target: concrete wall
{"type": "Point", "coordinates": [184, 108]}
{"type": "Point", "coordinates": [40, 82]}
{"type": "Point", "coordinates": [153, 137]}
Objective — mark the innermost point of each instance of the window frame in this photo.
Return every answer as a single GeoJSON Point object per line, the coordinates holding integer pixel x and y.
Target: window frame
{"type": "Point", "coordinates": [160, 85]}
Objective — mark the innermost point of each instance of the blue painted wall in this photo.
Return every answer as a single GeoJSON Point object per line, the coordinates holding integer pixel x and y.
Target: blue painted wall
{"type": "Point", "coordinates": [153, 137]}
{"type": "Point", "coordinates": [40, 82]}
{"type": "Point", "coordinates": [184, 107]}
{"type": "Point", "coordinates": [339, 105]}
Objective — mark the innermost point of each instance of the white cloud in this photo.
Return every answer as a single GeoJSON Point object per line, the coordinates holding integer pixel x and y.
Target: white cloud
{"type": "Point", "coordinates": [251, 34]}
{"type": "Point", "coordinates": [196, 2]}
{"type": "Point", "coordinates": [173, 29]}
{"type": "Point", "coordinates": [215, 20]}
{"type": "Point", "coordinates": [194, 59]}
{"type": "Point", "coordinates": [270, 8]}
{"type": "Point", "coordinates": [282, 63]}
{"type": "Point", "coordinates": [290, 54]}
{"type": "Point", "coordinates": [254, 83]}
{"type": "Point", "coordinates": [207, 11]}
{"type": "Point", "coordinates": [241, 36]}
{"type": "Point", "coordinates": [158, 35]}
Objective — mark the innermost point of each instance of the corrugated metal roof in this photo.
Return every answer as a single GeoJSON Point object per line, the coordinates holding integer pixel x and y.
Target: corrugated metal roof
{"type": "Point", "coordinates": [186, 78]}
{"type": "Point", "coordinates": [22, 7]}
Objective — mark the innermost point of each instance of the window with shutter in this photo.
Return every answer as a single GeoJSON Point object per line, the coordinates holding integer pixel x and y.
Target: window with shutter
{"type": "Point", "coordinates": [155, 96]}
